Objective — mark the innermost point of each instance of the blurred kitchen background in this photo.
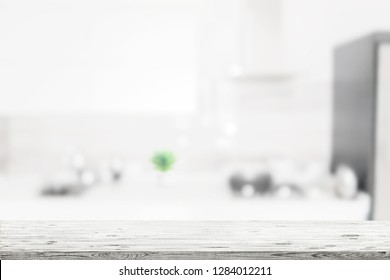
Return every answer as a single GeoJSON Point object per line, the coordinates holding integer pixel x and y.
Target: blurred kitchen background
{"type": "Point", "coordinates": [235, 97]}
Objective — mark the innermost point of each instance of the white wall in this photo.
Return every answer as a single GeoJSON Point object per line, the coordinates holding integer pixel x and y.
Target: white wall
{"type": "Point", "coordinates": [98, 56]}
{"type": "Point", "coordinates": [314, 28]}
{"type": "Point", "coordinates": [290, 118]}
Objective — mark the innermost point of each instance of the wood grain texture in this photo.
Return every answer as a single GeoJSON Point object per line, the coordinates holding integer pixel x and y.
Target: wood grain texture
{"type": "Point", "coordinates": [193, 240]}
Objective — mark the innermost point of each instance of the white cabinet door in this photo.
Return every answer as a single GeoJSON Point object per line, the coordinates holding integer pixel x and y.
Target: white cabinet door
{"type": "Point", "coordinates": [98, 56]}
{"type": "Point", "coordinates": [382, 162]}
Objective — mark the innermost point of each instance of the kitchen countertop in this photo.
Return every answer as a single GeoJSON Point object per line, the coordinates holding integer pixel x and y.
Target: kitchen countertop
{"type": "Point", "coordinates": [199, 200]}
{"type": "Point", "coordinates": [193, 240]}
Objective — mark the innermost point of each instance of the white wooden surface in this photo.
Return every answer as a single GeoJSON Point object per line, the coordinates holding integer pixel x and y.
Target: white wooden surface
{"type": "Point", "coordinates": [194, 240]}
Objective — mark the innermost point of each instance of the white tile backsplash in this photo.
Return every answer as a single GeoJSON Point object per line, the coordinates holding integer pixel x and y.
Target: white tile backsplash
{"type": "Point", "coordinates": [41, 143]}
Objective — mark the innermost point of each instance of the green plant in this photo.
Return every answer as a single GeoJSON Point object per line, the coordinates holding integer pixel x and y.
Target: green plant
{"type": "Point", "coordinates": [163, 160]}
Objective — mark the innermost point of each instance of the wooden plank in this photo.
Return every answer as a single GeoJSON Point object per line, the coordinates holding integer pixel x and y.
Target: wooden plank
{"type": "Point", "coordinates": [193, 240]}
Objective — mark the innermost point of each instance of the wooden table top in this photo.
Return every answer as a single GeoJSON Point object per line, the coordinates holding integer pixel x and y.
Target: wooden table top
{"type": "Point", "coordinates": [193, 240]}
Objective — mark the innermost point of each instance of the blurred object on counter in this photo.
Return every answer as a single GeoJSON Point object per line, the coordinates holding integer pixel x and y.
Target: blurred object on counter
{"type": "Point", "coordinates": [162, 161]}
{"type": "Point", "coordinates": [287, 191]}
{"type": "Point", "coordinates": [85, 176]}
{"type": "Point", "coordinates": [116, 169]}
{"type": "Point", "coordinates": [263, 183]}
{"type": "Point", "coordinates": [61, 190]}
{"type": "Point", "coordinates": [78, 162]}
{"type": "Point", "coordinates": [63, 183]}
{"type": "Point", "coordinates": [346, 182]}
{"type": "Point", "coordinates": [88, 178]}
{"type": "Point", "coordinates": [248, 187]}
{"type": "Point", "coordinates": [74, 181]}
{"type": "Point", "coordinates": [248, 190]}
{"type": "Point", "coordinates": [237, 181]}
{"type": "Point", "coordinates": [311, 178]}
{"type": "Point", "coordinates": [285, 178]}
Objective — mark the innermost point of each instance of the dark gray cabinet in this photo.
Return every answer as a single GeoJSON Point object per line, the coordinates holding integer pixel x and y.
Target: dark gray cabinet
{"type": "Point", "coordinates": [361, 74]}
